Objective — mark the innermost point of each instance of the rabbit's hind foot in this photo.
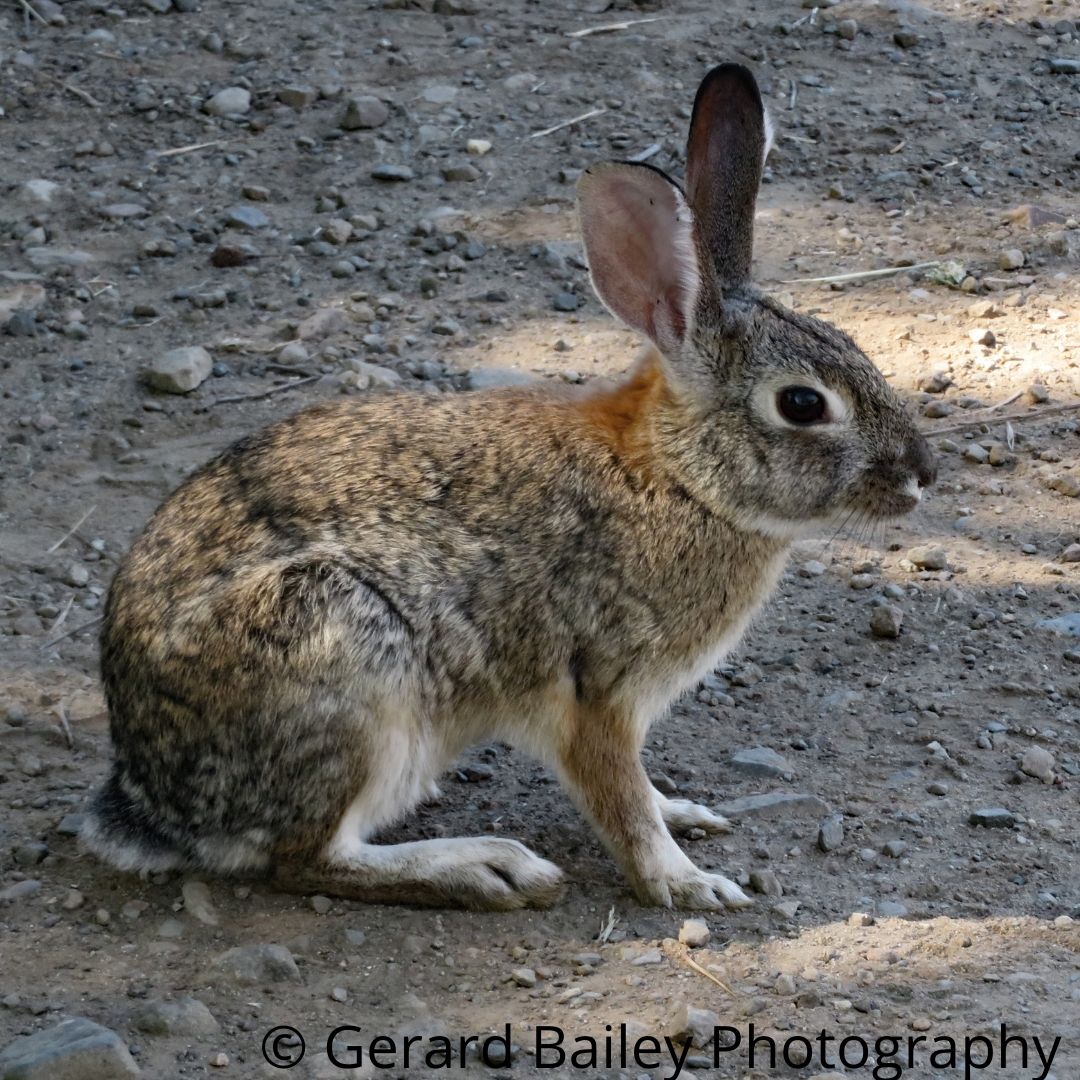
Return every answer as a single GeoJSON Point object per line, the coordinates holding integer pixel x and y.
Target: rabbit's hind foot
{"type": "Point", "coordinates": [477, 873]}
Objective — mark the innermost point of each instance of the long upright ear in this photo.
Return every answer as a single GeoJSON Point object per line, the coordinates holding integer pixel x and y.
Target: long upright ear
{"type": "Point", "coordinates": [639, 244]}
{"type": "Point", "coordinates": [725, 154]}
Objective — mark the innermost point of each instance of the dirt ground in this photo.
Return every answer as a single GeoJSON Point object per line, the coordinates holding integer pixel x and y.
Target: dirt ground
{"type": "Point", "coordinates": [907, 133]}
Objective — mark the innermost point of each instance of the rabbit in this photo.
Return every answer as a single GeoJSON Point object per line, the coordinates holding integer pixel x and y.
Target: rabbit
{"type": "Point", "coordinates": [316, 623]}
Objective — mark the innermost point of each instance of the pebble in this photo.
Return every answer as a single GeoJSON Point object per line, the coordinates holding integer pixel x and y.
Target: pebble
{"type": "Point", "coordinates": [894, 848]}
{"type": "Point", "coordinates": [691, 1025]}
{"type": "Point", "coordinates": [566, 301]}
{"type": "Point", "coordinates": [886, 621]}
{"type": "Point", "coordinates": [258, 965]}
{"type": "Point", "coordinates": [976, 453]}
{"type": "Point", "coordinates": [830, 833]}
{"type": "Point", "coordinates": [983, 336]}
{"type": "Point", "coordinates": [812, 569]}
{"type": "Point", "coordinates": [74, 1049]}
{"type": "Point", "coordinates": [1039, 763]}
{"type": "Point", "coordinates": [938, 788]}
{"type": "Point", "coordinates": [695, 933]}
{"type": "Point", "coordinates": [20, 890]}
{"type": "Point", "coordinates": [1071, 554]}
{"type": "Point", "coordinates": [477, 147]}
{"type": "Point", "coordinates": [494, 378]}
{"type": "Point", "coordinates": [250, 218]}
{"type": "Point", "coordinates": [363, 112]}
{"type": "Point", "coordinates": [860, 918]}
{"type": "Point", "coordinates": [906, 39]}
{"type": "Point", "coordinates": [524, 976]}
{"type": "Point", "coordinates": [928, 557]}
{"type": "Point", "coordinates": [185, 1016]}
{"type": "Point", "coordinates": [785, 985]}
{"type": "Point", "coordinates": [1011, 259]}
{"type": "Point", "coordinates": [760, 761]}
{"type": "Point", "coordinates": [232, 101]}
{"type": "Point", "coordinates": [847, 29]}
{"type": "Point", "coordinates": [766, 883]}
{"type": "Point", "coordinates": [463, 173]}
{"type": "Point", "coordinates": [321, 905]}
{"type": "Point", "coordinates": [219, 1060]}
{"type": "Point", "coordinates": [180, 371]}
{"type": "Point", "coordinates": [1065, 65]}
{"type": "Point", "coordinates": [995, 817]}
{"type": "Point", "coordinates": [298, 96]}
{"type": "Point", "coordinates": [394, 174]}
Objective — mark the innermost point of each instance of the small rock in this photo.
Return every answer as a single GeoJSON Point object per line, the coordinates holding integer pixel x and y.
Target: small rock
{"type": "Point", "coordinates": [20, 890]}
{"type": "Point", "coordinates": [219, 1060]}
{"type": "Point", "coordinates": [894, 848]}
{"type": "Point", "coordinates": [847, 29]}
{"type": "Point", "coordinates": [929, 557]}
{"type": "Point", "coordinates": [695, 933]}
{"type": "Point", "coordinates": [860, 918]}
{"type": "Point", "coordinates": [1039, 763]}
{"type": "Point", "coordinates": [524, 976]}
{"type": "Point", "coordinates": [1071, 553]}
{"type": "Point", "coordinates": [936, 382]}
{"type": "Point", "coordinates": [477, 147]}
{"type": "Point", "coordinates": [394, 174]}
{"type": "Point", "coordinates": [976, 453]}
{"type": "Point", "coordinates": [232, 101]}
{"type": "Point", "coordinates": [250, 218]}
{"type": "Point", "coordinates": [298, 96]}
{"type": "Point", "coordinates": [321, 905]}
{"type": "Point", "coordinates": [324, 323]}
{"type": "Point", "coordinates": [766, 883]}
{"type": "Point", "coordinates": [886, 621]}
{"type": "Point", "coordinates": [831, 833]}
{"type": "Point", "coordinates": [906, 39]}
{"type": "Point", "coordinates": [785, 985]}
{"type": "Point", "coordinates": [693, 1026]}
{"type": "Point", "coordinates": [463, 173]}
{"type": "Point", "coordinates": [258, 965]}
{"type": "Point", "coordinates": [180, 371]}
{"type": "Point", "coordinates": [812, 569]}
{"type": "Point", "coordinates": [74, 1049]}
{"type": "Point", "coordinates": [364, 111]}
{"type": "Point", "coordinates": [1065, 65]}
{"type": "Point", "coordinates": [1011, 259]}
{"type": "Point", "coordinates": [774, 804]}
{"type": "Point", "coordinates": [185, 1016]}
{"type": "Point", "coordinates": [565, 301]}
{"type": "Point", "coordinates": [1066, 484]}
{"type": "Point", "coordinates": [996, 817]}
{"type": "Point", "coordinates": [493, 378]}
{"type": "Point", "coordinates": [760, 761]}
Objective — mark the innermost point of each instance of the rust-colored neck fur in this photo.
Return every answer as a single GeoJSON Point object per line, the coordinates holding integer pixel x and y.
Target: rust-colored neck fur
{"type": "Point", "coordinates": [623, 417]}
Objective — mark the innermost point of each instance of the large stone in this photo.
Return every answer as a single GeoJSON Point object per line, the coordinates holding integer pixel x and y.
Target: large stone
{"type": "Point", "coordinates": [180, 370]}
{"type": "Point", "coordinates": [74, 1049]}
{"type": "Point", "coordinates": [258, 965]}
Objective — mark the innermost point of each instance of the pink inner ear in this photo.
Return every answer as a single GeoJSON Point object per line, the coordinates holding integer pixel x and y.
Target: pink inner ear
{"type": "Point", "coordinates": [637, 232]}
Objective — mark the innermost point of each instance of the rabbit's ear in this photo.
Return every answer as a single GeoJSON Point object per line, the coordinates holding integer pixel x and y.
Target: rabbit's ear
{"type": "Point", "coordinates": [638, 241]}
{"type": "Point", "coordinates": [730, 135]}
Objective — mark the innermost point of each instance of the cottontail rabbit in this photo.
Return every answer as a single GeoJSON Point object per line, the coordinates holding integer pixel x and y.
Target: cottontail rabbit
{"type": "Point", "coordinates": [318, 621]}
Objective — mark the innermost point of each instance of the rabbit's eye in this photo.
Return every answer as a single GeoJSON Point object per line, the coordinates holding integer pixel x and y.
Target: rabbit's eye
{"type": "Point", "coordinates": [801, 405]}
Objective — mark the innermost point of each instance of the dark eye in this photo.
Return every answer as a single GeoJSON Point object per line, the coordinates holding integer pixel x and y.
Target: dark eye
{"type": "Point", "coordinates": [801, 405]}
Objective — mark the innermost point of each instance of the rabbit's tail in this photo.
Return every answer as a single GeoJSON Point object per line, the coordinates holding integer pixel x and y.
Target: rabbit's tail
{"type": "Point", "coordinates": [119, 830]}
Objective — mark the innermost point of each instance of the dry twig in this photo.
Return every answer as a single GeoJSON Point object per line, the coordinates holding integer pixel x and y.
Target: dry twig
{"type": "Point", "coordinates": [233, 398]}
{"type": "Point", "coordinates": [33, 12]}
{"type": "Point", "coordinates": [176, 151]}
{"type": "Point", "coordinates": [65, 727]}
{"type": "Point", "coordinates": [1028, 417]}
{"type": "Point", "coordinates": [71, 633]}
{"type": "Point", "coordinates": [82, 95]}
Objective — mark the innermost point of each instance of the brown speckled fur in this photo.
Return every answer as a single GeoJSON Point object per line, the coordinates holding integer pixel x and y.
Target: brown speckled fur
{"type": "Point", "coordinates": [316, 622]}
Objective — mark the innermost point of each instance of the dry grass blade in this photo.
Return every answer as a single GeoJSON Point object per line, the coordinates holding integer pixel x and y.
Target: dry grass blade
{"type": "Point", "coordinates": [71, 633]}
{"type": "Point", "coordinates": [71, 532]}
{"type": "Point", "coordinates": [568, 123]}
{"type": "Point", "coordinates": [82, 95]}
{"type": "Point", "coordinates": [680, 952]}
{"type": "Point", "coordinates": [607, 927]}
{"type": "Point", "coordinates": [862, 275]}
{"type": "Point", "coordinates": [176, 151]}
{"type": "Point", "coordinates": [33, 12]}
{"type": "Point", "coordinates": [65, 726]}
{"type": "Point", "coordinates": [610, 28]}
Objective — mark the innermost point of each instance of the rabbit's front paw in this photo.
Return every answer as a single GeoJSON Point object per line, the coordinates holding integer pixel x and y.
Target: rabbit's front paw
{"type": "Point", "coordinates": [682, 815]}
{"type": "Point", "coordinates": [695, 890]}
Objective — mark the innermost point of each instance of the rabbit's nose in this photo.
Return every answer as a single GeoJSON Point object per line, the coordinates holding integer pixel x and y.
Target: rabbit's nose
{"type": "Point", "coordinates": [920, 459]}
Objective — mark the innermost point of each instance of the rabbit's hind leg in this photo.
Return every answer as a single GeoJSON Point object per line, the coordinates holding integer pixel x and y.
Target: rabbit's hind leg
{"type": "Point", "coordinates": [478, 873]}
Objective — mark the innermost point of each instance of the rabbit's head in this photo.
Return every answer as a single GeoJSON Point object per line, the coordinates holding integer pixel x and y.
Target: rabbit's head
{"type": "Point", "coordinates": [778, 420]}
